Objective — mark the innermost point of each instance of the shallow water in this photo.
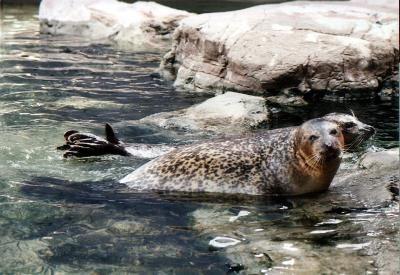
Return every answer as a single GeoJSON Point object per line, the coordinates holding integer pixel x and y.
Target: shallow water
{"type": "Point", "coordinates": [72, 216]}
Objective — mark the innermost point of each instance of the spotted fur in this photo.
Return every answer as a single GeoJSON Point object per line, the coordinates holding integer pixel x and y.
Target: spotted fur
{"type": "Point", "coordinates": [269, 162]}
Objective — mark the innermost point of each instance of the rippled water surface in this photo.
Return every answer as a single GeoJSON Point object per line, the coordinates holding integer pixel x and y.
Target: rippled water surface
{"type": "Point", "coordinates": [72, 216]}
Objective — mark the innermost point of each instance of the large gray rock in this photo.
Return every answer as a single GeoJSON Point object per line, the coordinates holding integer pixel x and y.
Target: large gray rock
{"type": "Point", "coordinates": [294, 47]}
{"type": "Point", "coordinates": [139, 25]}
{"type": "Point", "coordinates": [229, 112]}
{"type": "Point", "coordinates": [373, 180]}
{"type": "Point", "coordinates": [381, 160]}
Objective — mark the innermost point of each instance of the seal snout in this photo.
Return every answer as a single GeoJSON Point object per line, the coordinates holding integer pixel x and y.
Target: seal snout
{"type": "Point", "coordinates": [368, 130]}
{"type": "Point", "coordinates": [331, 151]}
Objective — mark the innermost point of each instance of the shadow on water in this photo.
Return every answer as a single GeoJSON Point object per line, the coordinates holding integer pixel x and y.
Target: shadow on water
{"type": "Point", "coordinates": [105, 225]}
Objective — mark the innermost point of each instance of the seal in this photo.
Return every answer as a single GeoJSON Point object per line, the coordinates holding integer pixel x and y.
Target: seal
{"type": "Point", "coordinates": [85, 144]}
{"type": "Point", "coordinates": [294, 161]}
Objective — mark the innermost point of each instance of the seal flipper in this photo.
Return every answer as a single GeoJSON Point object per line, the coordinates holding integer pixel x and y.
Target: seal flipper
{"type": "Point", "coordinates": [68, 133]}
{"type": "Point", "coordinates": [110, 135]}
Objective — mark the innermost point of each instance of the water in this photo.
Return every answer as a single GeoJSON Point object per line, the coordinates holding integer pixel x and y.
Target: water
{"type": "Point", "coordinates": [71, 216]}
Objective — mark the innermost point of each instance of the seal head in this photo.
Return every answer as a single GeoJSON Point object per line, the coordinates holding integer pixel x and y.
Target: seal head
{"type": "Point", "coordinates": [354, 131]}
{"type": "Point", "coordinates": [318, 149]}
{"type": "Point", "coordinates": [320, 140]}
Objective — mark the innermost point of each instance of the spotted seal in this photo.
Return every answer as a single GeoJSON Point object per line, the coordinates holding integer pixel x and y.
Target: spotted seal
{"type": "Point", "coordinates": [295, 161]}
{"type": "Point", "coordinates": [85, 144]}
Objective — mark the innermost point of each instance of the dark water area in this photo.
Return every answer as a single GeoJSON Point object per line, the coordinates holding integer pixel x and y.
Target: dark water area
{"type": "Point", "coordinates": [384, 116]}
{"type": "Point", "coordinates": [73, 217]}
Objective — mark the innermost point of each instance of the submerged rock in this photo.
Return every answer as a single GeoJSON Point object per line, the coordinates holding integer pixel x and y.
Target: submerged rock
{"type": "Point", "coordinates": [305, 48]}
{"type": "Point", "coordinates": [226, 113]}
{"type": "Point", "coordinates": [138, 25]}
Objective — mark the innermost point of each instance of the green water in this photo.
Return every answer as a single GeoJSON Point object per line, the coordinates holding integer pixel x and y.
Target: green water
{"type": "Point", "coordinates": [71, 216]}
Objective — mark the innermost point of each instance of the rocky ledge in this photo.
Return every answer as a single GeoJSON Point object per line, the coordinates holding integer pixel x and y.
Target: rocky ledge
{"type": "Point", "coordinates": [139, 25]}
{"type": "Point", "coordinates": [292, 49]}
{"type": "Point", "coordinates": [373, 180]}
{"type": "Point", "coordinates": [223, 114]}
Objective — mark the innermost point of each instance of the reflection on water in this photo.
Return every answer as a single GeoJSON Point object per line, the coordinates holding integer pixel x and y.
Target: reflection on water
{"type": "Point", "coordinates": [72, 216]}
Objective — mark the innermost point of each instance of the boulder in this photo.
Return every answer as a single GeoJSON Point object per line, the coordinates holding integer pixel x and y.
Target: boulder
{"type": "Point", "coordinates": [380, 160]}
{"type": "Point", "coordinates": [373, 180]}
{"type": "Point", "coordinates": [296, 48]}
{"type": "Point", "coordinates": [138, 25]}
{"type": "Point", "coordinates": [225, 113]}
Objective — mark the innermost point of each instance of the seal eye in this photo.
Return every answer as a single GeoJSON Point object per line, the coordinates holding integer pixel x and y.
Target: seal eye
{"type": "Point", "coordinates": [333, 132]}
{"type": "Point", "coordinates": [312, 138]}
{"type": "Point", "coordinates": [349, 125]}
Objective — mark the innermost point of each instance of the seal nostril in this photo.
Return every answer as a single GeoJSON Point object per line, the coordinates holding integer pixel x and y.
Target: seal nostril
{"type": "Point", "coordinates": [369, 129]}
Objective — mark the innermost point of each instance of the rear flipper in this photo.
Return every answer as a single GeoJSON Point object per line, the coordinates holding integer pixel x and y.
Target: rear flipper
{"type": "Point", "coordinates": [86, 145]}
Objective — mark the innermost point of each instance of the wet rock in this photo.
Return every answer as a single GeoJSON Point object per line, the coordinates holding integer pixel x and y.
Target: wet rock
{"type": "Point", "coordinates": [307, 47]}
{"type": "Point", "coordinates": [381, 160]}
{"type": "Point", "coordinates": [24, 256]}
{"type": "Point", "coordinates": [127, 227]}
{"type": "Point", "coordinates": [139, 25]}
{"type": "Point", "coordinates": [384, 247]}
{"type": "Point", "coordinates": [229, 112]}
{"type": "Point", "coordinates": [371, 186]}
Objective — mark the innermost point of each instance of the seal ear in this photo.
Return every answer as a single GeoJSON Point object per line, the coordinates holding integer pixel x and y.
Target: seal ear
{"type": "Point", "coordinates": [110, 135]}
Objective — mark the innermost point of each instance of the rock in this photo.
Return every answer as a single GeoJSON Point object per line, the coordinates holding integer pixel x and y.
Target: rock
{"type": "Point", "coordinates": [26, 256]}
{"type": "Point", "coordinates": [226, 113]}
{"type": "Point", "coordinates": [129, 228]}
{"type": "Point", "coordinates": [386, 4]}
{"type": "Point", "coordinates": [381, 160]}
{"type": "Point", "coordinates": [306, 47]}
{"type": "Point", "coordinates": [139, 25]}
{"type": "Point", "coordinates": [375, 185]}
{"type": "Point", "coordinates": [371, 187]}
